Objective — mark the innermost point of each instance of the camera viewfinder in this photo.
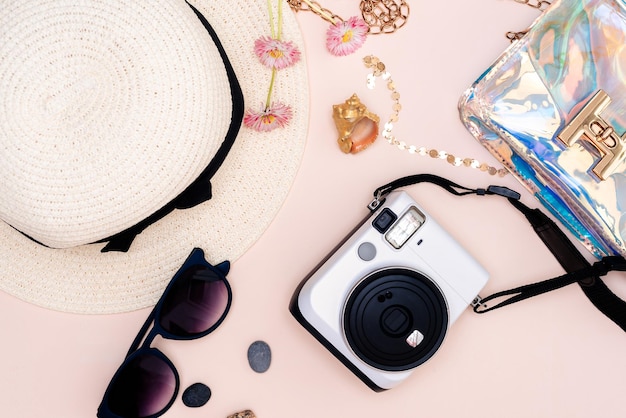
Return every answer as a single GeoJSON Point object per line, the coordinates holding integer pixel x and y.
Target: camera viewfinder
{"type": "Point", "coordinates": [384, 220]}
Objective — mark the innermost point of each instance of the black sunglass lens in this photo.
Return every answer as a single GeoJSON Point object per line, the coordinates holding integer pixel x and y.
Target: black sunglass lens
{"type": "Point", "coordinates": [196, 303]}
{"type": "Point", "coordinates": [145, 386]}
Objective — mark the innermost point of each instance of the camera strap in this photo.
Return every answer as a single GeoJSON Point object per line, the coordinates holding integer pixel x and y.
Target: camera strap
{"type": "Point", "coordinates": [578, 269]}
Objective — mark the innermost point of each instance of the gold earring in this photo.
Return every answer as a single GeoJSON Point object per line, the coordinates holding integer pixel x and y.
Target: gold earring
{"type": "Point", "coordinates": [357, 127]}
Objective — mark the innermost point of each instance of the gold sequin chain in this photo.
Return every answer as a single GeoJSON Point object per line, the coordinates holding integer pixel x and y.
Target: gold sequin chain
{"type": "Point", "coordinates": [379, 70]}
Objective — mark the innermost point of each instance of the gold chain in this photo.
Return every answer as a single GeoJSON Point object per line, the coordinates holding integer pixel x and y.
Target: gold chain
{"type": "Point", "coordinates": [315, 7]}
{"type": "Point", "coordinates": [379, 70]}
{"type": "Point", "coordinates": [535, 4]}
{"type": "Point", "coordinates": [541, 5]}
{"type": "Point", "coordinates": [387, 16]}
{"type": "Point", "coordinates": [384, 16]}
{"type": "Point", "coordinates": [381, 16]}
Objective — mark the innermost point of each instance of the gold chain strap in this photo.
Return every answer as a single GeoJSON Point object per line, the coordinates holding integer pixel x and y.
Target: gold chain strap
{"type": "Point", "coordinates": [541, 5]}
{"type": "Point", "coordinates": [535, 4]}
{"type": "Point", "coordinates": [384, 16]}
{"type": "Point", "coordinates": [379, 70]}
{"type": "Point", "coordinates": [387, 16]}
{"type": "Point", "coordinates": [381, 16]}
{"type": "Point", "coordinates": [315, 7]}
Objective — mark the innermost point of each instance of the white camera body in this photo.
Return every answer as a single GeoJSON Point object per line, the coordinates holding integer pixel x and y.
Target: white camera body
{"type": "Point", "coordinates": [383, 300]}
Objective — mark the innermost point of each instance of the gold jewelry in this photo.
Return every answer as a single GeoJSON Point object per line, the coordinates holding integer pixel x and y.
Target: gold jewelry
{"type": "Point", "coordinates": [535, 4]}
{"type": "Point", "coordinates": [379, 70]}
{"type": "Point", "coordinates": [540, 5]}
{"type": "Point", "coordinates": [384, 16]}
{"type": "Point", "coordinates": [381, 16]}
{"type": "Point", "coordinates": [315, 7]}
{"type": "Point", "coordinates": [357, 127]}
{"type": "Point", "coordinates": [344, 37]}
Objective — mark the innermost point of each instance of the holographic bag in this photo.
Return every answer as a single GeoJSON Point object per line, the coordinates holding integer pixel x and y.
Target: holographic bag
{"type": "Point", "coordinates": [552, 109]}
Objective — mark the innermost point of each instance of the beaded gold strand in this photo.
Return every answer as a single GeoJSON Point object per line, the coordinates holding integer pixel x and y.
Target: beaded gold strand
{"type": "Point", "coordinates": [379, 70]}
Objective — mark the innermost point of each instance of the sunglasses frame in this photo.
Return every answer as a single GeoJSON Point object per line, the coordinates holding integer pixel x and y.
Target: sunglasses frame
{"type": "Point", "coordinates": [152, 328]}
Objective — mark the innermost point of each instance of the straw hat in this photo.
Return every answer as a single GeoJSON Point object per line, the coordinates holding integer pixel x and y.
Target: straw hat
{"type": "Point", "coordinates": [111, 109]}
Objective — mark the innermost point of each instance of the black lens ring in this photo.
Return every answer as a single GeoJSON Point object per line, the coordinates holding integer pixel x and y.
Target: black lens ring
{"type": "Point", "coordinates": [415, 296]}
{"type": "Point", "coordinates": [180, 287]}
{"type": "Point", "coordinates": [117, 399]}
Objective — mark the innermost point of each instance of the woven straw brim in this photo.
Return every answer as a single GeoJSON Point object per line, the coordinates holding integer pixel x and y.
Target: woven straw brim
{"type": "Point", "coordinates": [248, 191]}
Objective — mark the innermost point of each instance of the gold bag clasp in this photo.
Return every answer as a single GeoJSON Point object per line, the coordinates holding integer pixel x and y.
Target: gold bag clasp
{"type": "Point", "coordinates": [589, 125]}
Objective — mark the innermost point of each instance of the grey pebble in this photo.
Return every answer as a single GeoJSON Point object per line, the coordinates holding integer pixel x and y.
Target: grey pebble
{"type": "Point", "coordinates": [259, 356]}
{"type": "Point", "coordinates": [196, 395]}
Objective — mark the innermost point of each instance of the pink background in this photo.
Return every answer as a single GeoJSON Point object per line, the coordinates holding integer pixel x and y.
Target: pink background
{"type": "Point", "coordinates": [551, 356]}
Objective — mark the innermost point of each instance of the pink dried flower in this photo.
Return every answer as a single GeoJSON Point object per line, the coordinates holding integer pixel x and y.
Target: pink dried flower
{"type": "Point", "coordinates": [345, 37]}
{"type": "Point", "coordinates": [274, 53]}
{"type": "Point", "coordinates": [277, 115]}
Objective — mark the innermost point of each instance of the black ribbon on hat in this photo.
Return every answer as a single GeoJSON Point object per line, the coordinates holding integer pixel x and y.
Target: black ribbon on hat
{"type": "Point", "coordinates": [200, 190]}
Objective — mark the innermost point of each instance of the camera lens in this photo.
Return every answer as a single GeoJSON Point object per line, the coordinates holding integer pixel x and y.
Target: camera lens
{"type": "Point", "coordinates": [384, 220]}
{"type": "Point", "coordinates": [395, 319]}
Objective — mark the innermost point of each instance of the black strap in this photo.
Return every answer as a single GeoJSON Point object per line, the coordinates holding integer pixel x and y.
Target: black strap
{"type": "Point", "coordinates": [444, 183]}
{"type": "Point", "coordinates": [578, 269]}
{"type": "Point", "coordinates": [573, 262]}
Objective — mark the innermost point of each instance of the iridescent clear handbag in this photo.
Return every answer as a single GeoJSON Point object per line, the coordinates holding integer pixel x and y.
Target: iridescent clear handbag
{"type": "Point", "coordinates": [552, 109]}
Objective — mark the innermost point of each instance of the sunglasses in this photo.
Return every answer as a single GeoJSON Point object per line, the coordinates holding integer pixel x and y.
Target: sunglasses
{"type": "Point", "coordinates": [194, 304]}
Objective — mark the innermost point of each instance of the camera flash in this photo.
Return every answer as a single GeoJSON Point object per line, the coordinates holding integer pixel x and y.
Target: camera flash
{"type": "Point", "coordinates": [405, 228]}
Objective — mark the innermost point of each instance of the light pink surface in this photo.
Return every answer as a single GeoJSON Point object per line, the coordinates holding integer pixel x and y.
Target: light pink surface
{"type": "Point", "coordinates": [552, 356]}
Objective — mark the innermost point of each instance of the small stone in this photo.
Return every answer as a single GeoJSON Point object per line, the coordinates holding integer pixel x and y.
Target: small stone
{"type": "Point", "coordinates": [243, 414]}
{"type": "Point", "coordinates": [196, 395]}
{"type": "Point", "coordinates": [259, 356]}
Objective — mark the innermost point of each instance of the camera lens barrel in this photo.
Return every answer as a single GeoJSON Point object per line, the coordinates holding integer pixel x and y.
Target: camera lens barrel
{"type": "Point", "coordinates": [395, 319]}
